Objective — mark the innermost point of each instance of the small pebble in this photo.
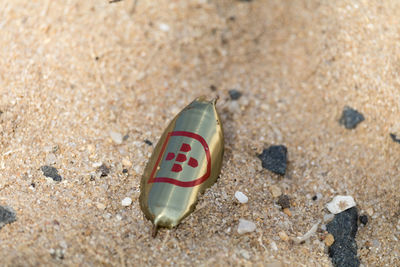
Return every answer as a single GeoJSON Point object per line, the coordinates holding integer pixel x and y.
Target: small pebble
{"type": "Point", "coordinates": [274, 159]}
{"type": "Point", "coordinates": [148, 142]}
{"type": "Point", "coordinates": [370, 211]}
{"type": "Point", "coordinates": [245, 226]}
{"type": "Point", "coordinates": [50, 159]}
{"type": "Point", "coordinates": [363, 219]}
{"type": "Point", "coordinates": [340, 203]}
{"type": "Point", "coordinates": [284, 201]}
{"type": "Point", "coordinates": [126, 202]}
{"type": "Point", "coordinates": [103, 170]}
{"type": "Point", "coordinates": [329, 240]}
{"type": "Point", "coordinates": [7, 215]}
{"type": "Point", "coordinates": [242, 198]}
{"type": "Point", "coordinates": [234, 94]}
{"type": "Point", "coordinates": [116, 137]}
{"type": "Point", "coordinates": [164, 27]}
{"type": "Point", "coordinates": [287, 212]}
{"type": "Point", "coordinates": [283, 236]}
{"type": "Point", "coordinates": [213, 88]}
{"type": "Point", "coordinates": [51, 172]}
{"type": "Point", "coordinates": [350, 118]}
{"type": "Point", "coordinates": [394, 138]}
{"type": "Point", "coordinates": [275, 191]}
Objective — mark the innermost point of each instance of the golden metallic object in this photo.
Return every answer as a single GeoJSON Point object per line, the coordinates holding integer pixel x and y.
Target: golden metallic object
{"type": "Point", "coordinates": [186, 160]}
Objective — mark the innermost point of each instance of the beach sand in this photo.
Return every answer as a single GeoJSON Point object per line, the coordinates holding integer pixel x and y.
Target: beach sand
{"type": "Point", "coordinates": [76, 76]}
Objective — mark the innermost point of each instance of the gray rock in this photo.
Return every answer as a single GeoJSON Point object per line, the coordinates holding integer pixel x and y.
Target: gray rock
{"type": "Point", "coordinates": [7, 215]}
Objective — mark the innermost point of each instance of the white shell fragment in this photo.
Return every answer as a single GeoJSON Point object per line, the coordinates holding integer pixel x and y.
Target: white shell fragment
{"type": "Point", "coordinates": [307, 235]}
{"type": "Point", "coordinates": [245, 226]}
{"type": "Point", "coordinates": [126, 202]}
{"type": "Point", "coordinates": [116, 137]}
{"type": "Point", "coordinates": [340, 203]}
{"type": "Point", "coordinates": [242, 198]}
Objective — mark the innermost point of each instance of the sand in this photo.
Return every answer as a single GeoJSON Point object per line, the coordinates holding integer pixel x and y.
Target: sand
{"type": "Point", "coordinates": [72, 72]}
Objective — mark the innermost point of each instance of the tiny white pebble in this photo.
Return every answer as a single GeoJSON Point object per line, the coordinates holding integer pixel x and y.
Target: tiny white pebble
{"type": "Point", "coordinates": [137, 169]}
{"type": "Point", "coordinates": [242, 198]}
{"type": "Point", "coordinates": [116, 137]}
{"type": "Point", "coordinates": [126, 202]}
{"type": "Point", "coordinates": [97, 164]}
{"type": "Point", "coordinates": [51, 159]}
{"type": "Point", "coordinates": [164, 27]}
{"type": "Point", "coordinates": [118, 217]}
{"type": "Point", "coordinates": [340, 203]}
{"type": "Point", "coordinates": [245, 226]}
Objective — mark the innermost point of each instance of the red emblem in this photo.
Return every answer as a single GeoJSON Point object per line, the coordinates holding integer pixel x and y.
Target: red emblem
{"type": "Point", "coordinates": [179, 158]}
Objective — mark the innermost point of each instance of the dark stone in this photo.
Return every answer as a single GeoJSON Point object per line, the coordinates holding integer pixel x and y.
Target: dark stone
{"type": "Point", "coordinates": [148, 142]}
{"type": "Point", "coordinates": [234, 94]}
{"type": "Point", "coordinates": [125, 137]}
{"type": "Point", "coordinates": [51, 172]}
{"type": "Point", "coordinates": [363, 219]}
{"type": "Point", "coordinates": [394, 138]}
{"type": "Point", "coordinates": [284, 201]}
{"type": "Point", "coordinates": [7, 215]}
{"type": "Point", "coordinates": [213, 88]}
{"type": "Point", "coordinates": [350, 118]}
{"type": "Point", "coordinates": [344, 228]}
{"type": "Point", "coordinates": [274, 159]}
{"type": "Point", "coordinates": [104, 170]}
{"type": "Point", "coordinates": [314, 197]}
{"type": "Point", "coordinates": [125, 171]}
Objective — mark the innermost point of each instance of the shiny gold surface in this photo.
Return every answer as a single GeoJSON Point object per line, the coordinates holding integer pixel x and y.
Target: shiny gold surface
{"type": "Point", "coordinates": [186, 160]}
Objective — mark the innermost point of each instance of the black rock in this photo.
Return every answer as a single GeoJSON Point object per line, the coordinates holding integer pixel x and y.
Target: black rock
{"type": "Point", "coordinates": [344, 228]}
{"type": "Point", "coordinates": [284, 201]}
{"type": "Point", "coordinates": [148, 142]}
{"type": "Point", "coordinates": [363, 219]}
{"type": "Point", "coordinates": [234, 94]}
{"type": "Point", "coordinates": [7, 215]}
{"type": "Point", "coordinates": [274, 159]}
{"type": "Point", "coordinates": [51, 172]}
{"type": "Point", "coordinates": [104, 170]}
{"type": "Point", "coordinates": [394, 138]}
{"type": "Point", "coordinates": [213, 88]}
{"type": "Point", "coordinates": [350, 118]}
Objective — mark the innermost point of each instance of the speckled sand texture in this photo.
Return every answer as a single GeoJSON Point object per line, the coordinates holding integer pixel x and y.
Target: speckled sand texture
{"type": "Point", "coordinates": [76, 76]}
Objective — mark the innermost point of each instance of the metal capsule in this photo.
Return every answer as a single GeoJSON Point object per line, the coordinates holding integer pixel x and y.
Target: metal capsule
{"type": "Point", "coordinates": [186, 160]}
